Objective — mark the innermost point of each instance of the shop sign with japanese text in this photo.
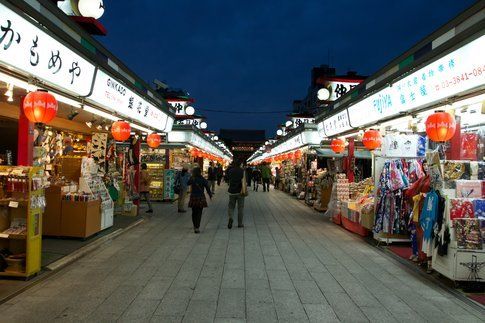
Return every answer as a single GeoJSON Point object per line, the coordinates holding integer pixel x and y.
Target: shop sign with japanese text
{"type": "Point", "coordinates": [296, 122]}
{"type": "Point", "coordinates": [116, 97]}
{"type": "Point", "coordinates": [336, 124]}
{"type": "Point", "coordinates": [30, 49]}
{"type": "Point", "coordinates": [193, 122]}
{"type": "Point", "coordinates": [460, 71]}
{"type": "Point", "coordinates": [179, 106]}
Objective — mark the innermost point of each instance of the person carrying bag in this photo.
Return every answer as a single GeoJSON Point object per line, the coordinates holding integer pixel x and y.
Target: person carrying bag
{"type": "Point", "coordinates": [238, 191]}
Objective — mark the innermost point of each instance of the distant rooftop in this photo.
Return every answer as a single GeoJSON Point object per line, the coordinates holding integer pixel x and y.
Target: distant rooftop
{"type": "Point", "coordinates": [244, 135]}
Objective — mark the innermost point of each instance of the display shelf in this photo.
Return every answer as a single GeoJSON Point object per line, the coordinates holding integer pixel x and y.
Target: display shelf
{"type": "Point", "coordinates": [27, 213]}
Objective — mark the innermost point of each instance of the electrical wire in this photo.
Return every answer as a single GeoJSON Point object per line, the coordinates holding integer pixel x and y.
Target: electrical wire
{"type": "Point", "coordinates": [245, 112]}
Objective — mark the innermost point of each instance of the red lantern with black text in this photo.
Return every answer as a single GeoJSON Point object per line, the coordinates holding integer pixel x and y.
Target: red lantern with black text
{"type": "Point", "coordinates": [372, 139]}
{"type": "Point", "coordinates": [40, 106]}
{"type": "Point", "coordinates": [440, 126]}
{"type": "Point", "coordinates": [154, 140]}
{"type": "Point", "coordinates": [338, 146]}
{"type": "Point", "coordinates": [121, 130]}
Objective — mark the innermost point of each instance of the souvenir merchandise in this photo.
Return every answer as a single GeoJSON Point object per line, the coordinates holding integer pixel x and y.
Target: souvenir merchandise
{"type": "Point", "coordinates": [461, 208]}
{"type": "Point", "coordinates": [402, 146]}
{"type": "Point", "coordinates": [469, 144]}
{"type": "Point", "coordinates": [469, 189]}
{"type": "Point", "coordinates": [392, 211]}
{"type": "Point", "coordinates": [479, 208]}
{"type": "Point", "coordinates": [468, 234]}
{"type": "Point", "coordinates": [155, 161]}
{"type": "Point", "coordinates": [454, 170]}
{"type": "Point", "coordinates": [22, 203]}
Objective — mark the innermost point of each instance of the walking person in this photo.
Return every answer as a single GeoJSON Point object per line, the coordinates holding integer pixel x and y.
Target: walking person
{"type": "Point", "coordinates": [256, 176]}
{"type": "Point", "coordinates": [249, 175]}
{"type": "Point", "coordinates": [197, 199]}
{"type": "Point", "coordinates": [145, 181]}
{"type": "Point", "coordinates": [277, 178]}
{"type": "Point", "coordinates": [266, 176]}
{"type": "Point", "coordinates": [212, 177]}
{"type": "Point", "coordinates": [235, 177]}
{"type": "Point", "coordinates": [182, 182]}
{"type": "Point", "coordinates": [220, 174]}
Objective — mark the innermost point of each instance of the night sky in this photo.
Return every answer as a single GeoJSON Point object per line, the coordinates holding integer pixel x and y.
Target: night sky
{"type": "Point", "coordinates": [257, 55]}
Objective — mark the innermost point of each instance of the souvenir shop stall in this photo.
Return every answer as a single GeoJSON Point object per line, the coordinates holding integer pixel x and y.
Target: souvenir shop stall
{"type": "Point", "coordinates": [301, 174]}
{"type": "Point", "coordinates": [61, 125]}
{"type": "Point", "coordinates": [428, 183]}
{"type": "Point", "coordinates": [198, 149]}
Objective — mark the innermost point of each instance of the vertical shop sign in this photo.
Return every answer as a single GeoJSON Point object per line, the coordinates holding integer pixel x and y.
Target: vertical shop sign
{"type": "Point", "coordinates": [168, 183]}
{"type": "Point", "coordinates": [28, 48]}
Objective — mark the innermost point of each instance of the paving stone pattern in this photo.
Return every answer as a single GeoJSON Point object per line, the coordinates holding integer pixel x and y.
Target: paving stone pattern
{"type": "Point", "coordinates": [289, 264]}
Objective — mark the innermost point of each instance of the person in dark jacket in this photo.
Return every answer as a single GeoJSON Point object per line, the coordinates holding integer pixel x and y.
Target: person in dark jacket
{"type": "Point", "coordinates": [234, 177]}
{"type": "Point", "coordinates": [256, 178]}
{"type": "Point", "coordinates": [197, 197]}
{"type": "Point", "coordinates": [249, 175]}
{"type": "Point", "coordinates": [220, 174]}
{"type": "Point", "coordinates": [212, 177]}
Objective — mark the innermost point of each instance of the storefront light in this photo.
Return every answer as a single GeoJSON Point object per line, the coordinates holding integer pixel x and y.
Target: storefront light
{"type": "Point", "coordinates": [146, 130]}
{"type": "Point", "coordinates": [99, 113]}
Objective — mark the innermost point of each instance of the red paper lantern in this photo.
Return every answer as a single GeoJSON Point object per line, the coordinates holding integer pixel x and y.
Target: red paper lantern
{"type": "Point", "coordinates": [154, 140]}
{"type": "Point", "coordinates": [121, 130]}
{"type": "Point", "coordinates": [440, 126]}
{"type": "Point", "coordinates": [40, 106]}
{"type": "Point", "coordinates": [338, 145]}
{"type": "Point", "coordinates": [298, 154]}
{"type": "Point", "coordinates": [372, 139]}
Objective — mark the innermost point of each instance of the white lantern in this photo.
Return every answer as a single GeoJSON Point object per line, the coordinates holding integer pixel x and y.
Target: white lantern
{"type": "Point", "coordinates": [279, 132]}
{"type": "Point", "coordinates": [91, 8]}
{"type": "Point", "coordinates": [216, 138]}
{"type": "Point", "coordinates": [189, 110]}
{"type": "Point", "coordinates": [288, 123]}
{"type": "Point", "coordinates": [203, 125]}
{"type": "Point", "coordinates": [323, 94]}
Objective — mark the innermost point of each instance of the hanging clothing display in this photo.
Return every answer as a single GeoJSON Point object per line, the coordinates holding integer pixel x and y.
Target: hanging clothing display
{"type": "Point", "coordinates": [427, 220]}
{"type": "Point", "coordinates": [393, 210]}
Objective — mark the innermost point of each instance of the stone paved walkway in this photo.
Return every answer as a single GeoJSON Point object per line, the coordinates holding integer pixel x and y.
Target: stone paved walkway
{"type": "Point", "coordinates": [288, 264]}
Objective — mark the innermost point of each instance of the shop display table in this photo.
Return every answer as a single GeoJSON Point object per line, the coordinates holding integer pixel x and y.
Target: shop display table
{"type": "Point", "coordinates": [351, 218]}
{"type": "Point", "coordinates": [451, 266]}
{"type": "Point", "coordinates": [80, 219]}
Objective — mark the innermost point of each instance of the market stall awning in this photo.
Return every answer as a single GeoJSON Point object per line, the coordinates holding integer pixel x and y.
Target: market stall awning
{"type": "Point", "coordinates": [327, 152]}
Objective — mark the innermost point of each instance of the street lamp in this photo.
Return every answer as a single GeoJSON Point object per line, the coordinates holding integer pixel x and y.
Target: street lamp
{"type": "Point", "coordinates": [323, 94]}
{"type": "Point", "coordinates": [189, 110]}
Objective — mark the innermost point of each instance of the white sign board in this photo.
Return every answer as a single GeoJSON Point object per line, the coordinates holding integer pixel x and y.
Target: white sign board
{"type": "Point", "coordinates": [296, 122]}
{"type": "Point", "coordinates": [30, 49]}
{"type": "Point", "coordinates": [336, 124]}
{"type": "Point", "coordinates": [116, 97]}
{"type": "Point", "coordinates": [193, 122]}
{"type": "Point", "coordinates": [179, 106]}
{"type": "Point", "coordinates": [457, 72]}
{"type": "Point", "coordinates": [338, 88]}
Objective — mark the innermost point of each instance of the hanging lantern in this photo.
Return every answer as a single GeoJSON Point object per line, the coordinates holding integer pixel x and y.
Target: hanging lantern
{"type": "Point", "coordinates": [440, 126]}
{"type": "Point", "coordinates": [298, 154]}
{"type": "Point", "coordinates": [372, 139]}
{"type": "Point", "coordinates": [338, 145]}
{"type": "Point", "coordinates": [154, 140]}
{"type": "Point", "coordinates": [121, 130]}
{"type": "Point", "coordinates": [40, 106]}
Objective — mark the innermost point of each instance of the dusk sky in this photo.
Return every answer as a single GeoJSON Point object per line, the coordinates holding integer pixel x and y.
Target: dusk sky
{"type": "Point", "coordinates": [257, 55]}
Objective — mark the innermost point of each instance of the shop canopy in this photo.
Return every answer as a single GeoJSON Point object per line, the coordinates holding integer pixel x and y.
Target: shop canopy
{"type": "Point", "coordinates": [327, 152]}
{"type": "Point", "coordinates": [304, 136]}
{"type": "Point", "coordinates": [452, 69]}
{"type": "Point", "coordinates": [37, 54]}
{"type": "Point", "coordinates": [191, 136]}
